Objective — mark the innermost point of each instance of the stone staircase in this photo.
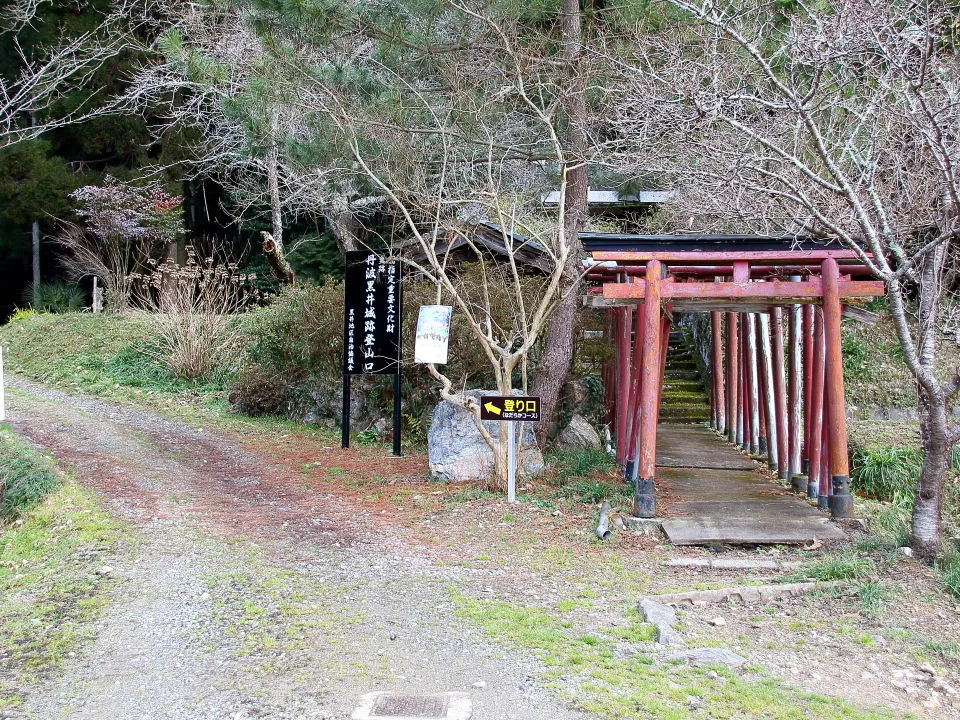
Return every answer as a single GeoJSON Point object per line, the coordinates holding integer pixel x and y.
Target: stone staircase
{"type": "Point", "coordinates": [684, 399]}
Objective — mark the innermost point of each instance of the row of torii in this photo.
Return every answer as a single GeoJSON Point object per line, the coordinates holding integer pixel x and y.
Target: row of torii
{"type": "Point", "coordinates": [776, 369]}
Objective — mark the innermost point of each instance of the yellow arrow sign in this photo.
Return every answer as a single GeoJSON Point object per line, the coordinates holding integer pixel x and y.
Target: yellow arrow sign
{"type": "Point", "coordinates": [490, 407]}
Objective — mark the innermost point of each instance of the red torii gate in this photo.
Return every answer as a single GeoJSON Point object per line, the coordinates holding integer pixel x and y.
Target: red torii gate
{"type": "Point", "coordinates": [744, 282]}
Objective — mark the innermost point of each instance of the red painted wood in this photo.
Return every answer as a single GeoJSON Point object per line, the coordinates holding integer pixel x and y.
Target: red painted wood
{"type": "Point", "coordinates": [808, 369]}
{"type": "Point", "coordinates": [649, 390]}
{"type": "Point", "coordinates": [816, 406]}
{"type": "Point", "coordinates": [780, 393]}
{"type": "Point", "coordinates": [633, 413]}
{"type": "Point", "coordinates": [764, 434]}
{"type": "Point", "coordinates": [741, 271]}
{"type": "Point", "coordinates": [733, 376]}
{"type": "Point", "coordinates": [708, 257]}
{"type": "Point", "coordinates": [716, 372]}
{"type": "Point", "coordinates": [747, 391]}
{"type": "Point", "coordinates": [624, 317]}
{"type": "Point", "coordinates": [812, 288]}
{"type": "Point", "coordinates": [826, 487]}
{"type": "Point", "coordinates": [834, 368]}
{"type": "Point", "coordinates": [711, 271]}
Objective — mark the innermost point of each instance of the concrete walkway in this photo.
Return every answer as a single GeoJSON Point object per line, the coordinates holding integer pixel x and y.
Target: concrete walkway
{"type": "Point", "coordinates": [711, 493]}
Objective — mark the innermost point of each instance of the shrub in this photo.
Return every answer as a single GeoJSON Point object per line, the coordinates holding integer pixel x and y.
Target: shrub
{"type": "Point", "coordinates": [886, 473]}
{"type": "Point", "coordinates": [297, 340]}
{"type": "Point", "coordinates": [22, 313]}
{"type": "Point", "coordinates": [256, 392]}
{"type": "Point", "coordinates": [190, 311]}
{"type": "Point", "coordinates": [26, 476]}
{"type": "Point", "coordinates": [55, 297]}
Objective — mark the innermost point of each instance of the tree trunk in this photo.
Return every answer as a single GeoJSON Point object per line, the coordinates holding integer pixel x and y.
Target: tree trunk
{"type": "Point", "coordinates": [36, 259]}
{"type": "Point", "coordinates": [926, 535]}
{"type": "Point", "coordinates": [344, 224]}
{"type": "Point", "coordinates": [273, 242]}
{"type": "Point", "coordinates": [555, 361]}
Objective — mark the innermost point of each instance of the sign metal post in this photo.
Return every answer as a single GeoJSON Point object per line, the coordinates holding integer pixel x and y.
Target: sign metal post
{"type": "Point", "coordinates": [510, 409]}
{"type": "Point", "coordinates": [511, 462]}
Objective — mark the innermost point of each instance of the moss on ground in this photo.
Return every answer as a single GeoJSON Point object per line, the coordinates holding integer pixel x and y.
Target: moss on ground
{"type": "Point", "coordinates": [50, 591]}
{"type": "Point", "coordinates": [597, 674]}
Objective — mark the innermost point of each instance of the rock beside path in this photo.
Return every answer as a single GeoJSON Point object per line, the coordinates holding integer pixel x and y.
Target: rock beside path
{"type": "Point", "coordinates": [662, 617]}
{"type": "Point", "coordinates": [458, 453]}
{"type": "Point", "coordinates": [579, 433]}
{"type": "Point", "coordinates": [702, 657]}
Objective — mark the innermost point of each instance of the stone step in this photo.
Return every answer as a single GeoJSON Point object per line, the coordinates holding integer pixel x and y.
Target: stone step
{"type": "Point", "coordinates": [681, 397]}
{"type": "Point", "coordinates": [683, 385]}
{"type": "Point", "coordinates": [672, 374]}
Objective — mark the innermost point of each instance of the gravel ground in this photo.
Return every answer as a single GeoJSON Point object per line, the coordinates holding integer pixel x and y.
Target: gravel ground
{"type": "Point", "coordinates": [261, 584]}
{"type": "Point", "coordinates": [241, 600]}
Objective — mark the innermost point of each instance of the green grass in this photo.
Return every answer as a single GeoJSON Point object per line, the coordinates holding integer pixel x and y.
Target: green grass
{"type": "Point", "coordinates": [873, 595]}
{"type": "Point", "coordinates": [587, 670]}
{"type": "Point", "coordinates": [949, 569]}
{"type": "Point", "coordinates": [49, 591]}
{"type": "Point", "coordinates": [886, 472]}
{"type": "Point", "coordinates": [26, 475]}
{"type": "Point", "coordinates": [838, 567]}
{"type": "Point", "coordinates": [103, 354]}
{"type": "Point", "coordinates": [580, 463]}
{"type": "Point", "coordinates": [592, 491]}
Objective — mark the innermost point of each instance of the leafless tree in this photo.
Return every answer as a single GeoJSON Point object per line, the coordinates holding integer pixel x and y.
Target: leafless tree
{"type": "Point", "coordinates": [840, 120]}
{"type": "Point", "coordinates": [203, 81]}
{"type": "Point", "coordinates": [480, 139]}
{"type": "Point", "coordinates": [28, 100]}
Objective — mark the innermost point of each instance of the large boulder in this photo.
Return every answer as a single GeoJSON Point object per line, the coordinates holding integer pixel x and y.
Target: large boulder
{"type": "Point", "coordinates": [458, 453]}
{"type": "Point", "coordinates": [579, 434]}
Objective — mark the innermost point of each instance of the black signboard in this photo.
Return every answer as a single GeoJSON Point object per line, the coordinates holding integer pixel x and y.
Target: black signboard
{"type": "Point", "coordinates": [371, 315]}
{"type": "Point", "coordinates": [502, 407]}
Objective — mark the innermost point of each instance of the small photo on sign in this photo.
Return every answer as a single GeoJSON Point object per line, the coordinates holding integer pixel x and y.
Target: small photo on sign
{"type": "Point", "coordinates": [433, 334]}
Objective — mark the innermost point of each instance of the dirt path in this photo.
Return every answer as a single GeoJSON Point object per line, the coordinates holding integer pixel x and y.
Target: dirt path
{"type": "Point", "coordinates": [245, 596]}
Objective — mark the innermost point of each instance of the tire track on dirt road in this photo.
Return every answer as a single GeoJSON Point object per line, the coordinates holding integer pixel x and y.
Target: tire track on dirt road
{"type": "Point", "coordinates": [245, 596]}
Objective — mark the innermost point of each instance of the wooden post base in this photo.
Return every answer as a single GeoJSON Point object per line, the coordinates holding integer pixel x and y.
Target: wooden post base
{"type": "Point", "coordinates": [841, 501]}
{"type": "Point", "coordinates": [799, 484]}
{"type": "Point", "coordinates": [644, 498]}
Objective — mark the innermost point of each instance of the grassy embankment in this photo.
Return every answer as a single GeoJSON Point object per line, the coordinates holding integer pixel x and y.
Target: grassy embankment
{"type": "Point", "coordinates": [54, 537]}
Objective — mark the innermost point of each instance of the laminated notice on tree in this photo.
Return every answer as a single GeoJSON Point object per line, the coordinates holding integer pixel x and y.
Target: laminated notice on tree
{"type": "Point", "coordinates": [371, 315]}
{"type": "Point", "coordinates": [433, 334]}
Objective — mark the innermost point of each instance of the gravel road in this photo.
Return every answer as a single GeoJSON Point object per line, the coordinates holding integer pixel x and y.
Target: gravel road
{"type": "Point", "coordinates": [244, 596]}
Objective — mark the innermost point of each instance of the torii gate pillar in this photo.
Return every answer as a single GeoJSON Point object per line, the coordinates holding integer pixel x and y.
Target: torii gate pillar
{"type": "Point", "coordinates": [841, 502]}
{"type": "Point", "coordinates": [644, 490]}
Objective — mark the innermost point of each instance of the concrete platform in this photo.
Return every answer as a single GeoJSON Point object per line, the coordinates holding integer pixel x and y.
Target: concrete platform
{"type": "Point", "coordinates": [716, 495]}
